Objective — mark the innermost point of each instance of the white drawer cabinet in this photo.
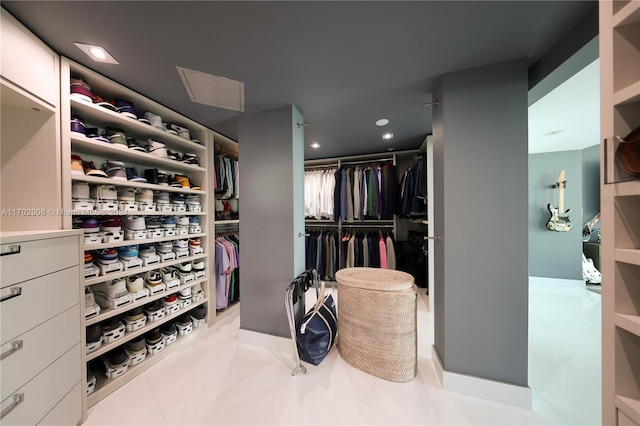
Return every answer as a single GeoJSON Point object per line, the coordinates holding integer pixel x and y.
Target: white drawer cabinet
{"type": "Point", "coordinates": [41, 368]}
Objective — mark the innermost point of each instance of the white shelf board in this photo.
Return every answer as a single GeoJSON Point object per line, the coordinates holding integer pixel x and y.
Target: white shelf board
{"type": "Point", "coordinates": [106, 181]}
{"type": "Point", "coordinates": [15, 97]}
{"type": "Point", "coordinates": [227, 222]}
{"type": "Point", "coordinates": [629, 94]}
{"type": "Point", "coordinates": [627, 189]}
{"type": "Point", "coordinates": [631, 323]}
{"type": "Point", "coordinates": [631, 256]}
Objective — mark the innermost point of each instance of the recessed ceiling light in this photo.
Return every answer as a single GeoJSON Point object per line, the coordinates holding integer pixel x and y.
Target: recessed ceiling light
{"type": "Point", "coordinates": [97, 53]}
{"type": "Point", "coordinates": [390, 149]}
{"type": "Point", "coordinates": [382, 122]}
{"type": "Point", "coordinates": [387, 136]}
{"type": "Point", "coordinates": [553, 132]}
{"type": "Point", "coordinates": [315, 145]}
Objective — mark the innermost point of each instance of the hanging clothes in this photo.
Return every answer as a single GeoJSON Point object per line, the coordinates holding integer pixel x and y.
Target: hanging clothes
{"type": "Point", "coordinates": [226, 172]}
{"type": "Point", "coordinates": [318, 193]}
{"type": "Point", "coordinates": [374, 249]}
{"type": "Point", "coordinates": [321, 253]}
{"type": "Point", "coordinates": [413, 191]}
{"type": "Point", "coordinates": [227, 253]}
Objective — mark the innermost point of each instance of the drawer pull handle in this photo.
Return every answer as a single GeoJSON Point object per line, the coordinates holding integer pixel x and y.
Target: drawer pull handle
{"type": "Point", "coordinates": [14, 346]}
{"type": "Point", "coordinates": [13, 292]}
{"type": "Point", "coordinates": [12, 249]}
{"type": "Point", "coordinates": [17, 400]}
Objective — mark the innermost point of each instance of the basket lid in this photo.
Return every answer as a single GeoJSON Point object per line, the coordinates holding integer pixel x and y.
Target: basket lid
{"type": "Point", "coordinates": [375, 279]}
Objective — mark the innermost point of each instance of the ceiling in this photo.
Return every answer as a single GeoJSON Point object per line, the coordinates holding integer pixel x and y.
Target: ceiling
{"type": "Point", "coordinates": [343, 64]}
{"type": "Point", "coordinates": [568, 117]}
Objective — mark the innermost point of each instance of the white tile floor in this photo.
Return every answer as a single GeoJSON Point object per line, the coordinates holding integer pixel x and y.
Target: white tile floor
{"type": "Point", "coordinates": [219, 381]}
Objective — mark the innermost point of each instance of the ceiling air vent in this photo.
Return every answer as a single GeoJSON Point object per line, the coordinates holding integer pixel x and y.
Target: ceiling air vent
{"type": "Point", "coordinates": [212, 90]}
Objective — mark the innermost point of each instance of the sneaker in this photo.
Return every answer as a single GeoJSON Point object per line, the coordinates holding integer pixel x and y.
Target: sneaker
{"type": "Point", "coordinates": [153, 222]}
{"type": "Point", "coordinates": [173, 155]}
{"type": "Point", "coordinates": [184, 267]}
{"type": "Point", "coordinates": [194, 242]}
{"type": "Point", "coordinates": [163, 178]}
{"type": "Point", "coordinates": [80, 190]}
{"type": "Point", "coordinates": [182, 180]}
{"type": "Point", "coordinates": [76, 165]}
{"type": "Point", "coordinates": [104, 192]}
{"type": "Point", "coordinates": [190, 158]}
{"type": "Point", "coordinates": [98, 101]}
{"type": "Point", "coordinates": [144, 196]}
{"type": "Point", "coordinates": [199, 312]}
{"type": "Point", "coordinates": [182, 221]}
{"type": "Point", "coordinates": [151, 175]}
{"type": "Point", "coordinates": [168, 328]}
{"type": "Point", "coordinates": [135, 283]}
{"type": "Point", "coordinates": [185, 293]}
{"type": "Point", "coordinates": [198, 265]}
{"type": "Point", "coordinates": [169, 129]}
{"type": "Point", "coordinates": [80, 90]}
{"type": "Point", "coordinates": [194, 221]}
{"type": "Point", "coordinates": [196, 289]}
{"type": "Point", "coordinates": [91, 170]}
{"type": "Point", "coordinates": [153, 307]}
{"type": "Point", "coordinates": [94, 333]}
{"type": "Point", "coordinates": [147, 250]}
{"type": "Point", "coordinates": [126, 194]}
{"type": "Point", "coordinates": [164, 247]}
{"type": "Point", "coordinates": [137, 345]}
{"type": "Point", "coordinates": [133, 144]}
{"type": "Point", "coordinates": [132, 175]}
{"type": "Point", "coordinates": [113, 288]}
{"type": "Point", "coordinates": [153, 278]}
{"type": "Point", "coordinates": [156, 148]}
{"type": "Point", "coordinates": [129, 252]}
{"type": "Point", "coordinates": [90, 225]}
{"type": "Point", "coordinates": [77, 124]}
{"type": "Point", "coordinates": [125, 108]}
{"type": "Point", "coordinates": [154, 119]}
{"type": "Point", "coordinates": [117, 358]}
{"type": "Point", "coordinates": [106, 256]}
{"type": "Point", "coordinates": [111, 224]}
{"type": "Point", "coordinates": [153, 337]}
{"type": "Point", "coordinates": [180, 244]}
{"type": "Point", "coordinates": [183, 132]}
{"type": "Point", "coordinates": [168, 274]}
{"type": "Point", "coordinates": [170, 300]}
{"type": "Point", "coordinates": [184, 319]}
{"type": "Point", "coordinates": [88, 259]}
{"type": "Point", "coordinates": [92, 133]}
{"type": "Point", "coordinates": [161, 197]}
{"type": "Point", "coordinates": [177, 198]}
{"type": "Point", "coordinates": [116, 136]}
{"type": "Point", "coordinates": [134, 314]}
{"type": "Point", "coordinates": [135, 223]}
{"type": "Point", "coordinates": [169, 222]}
{"type": "Point", "coordinates": [116, 170]}
{"type": "Point", "coordinates": [192, 199]}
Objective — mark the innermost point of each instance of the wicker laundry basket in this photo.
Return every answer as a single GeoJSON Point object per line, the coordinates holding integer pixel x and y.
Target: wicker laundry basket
{"type": "Point", "coordinates": [377, 322]}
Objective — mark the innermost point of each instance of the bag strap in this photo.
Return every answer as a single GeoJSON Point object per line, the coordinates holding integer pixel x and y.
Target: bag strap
{"type": "Point", "coordinates": [316, 308]}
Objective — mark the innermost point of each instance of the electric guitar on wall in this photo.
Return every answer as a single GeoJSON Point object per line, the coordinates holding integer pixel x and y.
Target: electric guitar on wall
{"type": "Point", "coordinates": [559, 220]}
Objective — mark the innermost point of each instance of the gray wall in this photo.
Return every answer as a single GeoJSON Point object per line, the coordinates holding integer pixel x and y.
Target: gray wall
{"type": "Point", "coordinates": [272, 215]}
{"type": "Point", "coordinates": [480, 178]}
{"type": "Point", "coordinates": [555, 254]}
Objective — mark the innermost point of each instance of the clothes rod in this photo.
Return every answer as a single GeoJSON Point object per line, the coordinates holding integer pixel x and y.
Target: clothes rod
{"type": "Point", "coordinates": [366, 225]}
{"type": "Point", "coordinates": [377, 160]}
{"type": "Point", "coordinates": [320, 167]}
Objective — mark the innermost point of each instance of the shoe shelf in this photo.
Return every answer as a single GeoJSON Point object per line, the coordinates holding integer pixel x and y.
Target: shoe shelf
{"type": "Point", "coordinates": [105, 386]}
{"type": "Point", "coordinates": [89, 247]}
{"type": "Point", "coordinates": [148, 326]}
{"type": "Point", "coordinates": [631, 256]}
{"type": "Point", "coordinates": [108, 313]}
{"type": "Point", "coordinates": [117, 182]}
{"type": "Point", "coordinates": [631, 323]}
{"type": "Point", "coordinates": [629, 94]}
{"type": "Point", "coordinates": [135, 271]}
{"type": "Point", "coordinates": [83, 144]}
{"type": "Point", "coordinates": [629, 406]}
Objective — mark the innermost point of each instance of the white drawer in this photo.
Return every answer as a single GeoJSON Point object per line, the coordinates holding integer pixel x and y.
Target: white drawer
{"type": "Point", "coordinates": [38, 74]}
{"type": "Point", "coordinates": [39, 347]}
{"type": "Point", "coordinates": [37, 258]}
{"type": "Point", "coordinates": [68, 411]}
{"type": "Point", "coordinates": [42, 393]}
{"type": "Point", "coordinates": [39, 300]}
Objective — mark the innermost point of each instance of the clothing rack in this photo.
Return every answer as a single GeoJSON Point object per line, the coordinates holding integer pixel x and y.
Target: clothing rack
{"type": "Point", "coordinates": [367, 225]}
{"type": "Point", "coordinates": [372, 161]}
{"type": "Point", "coordinates": [321, 167]}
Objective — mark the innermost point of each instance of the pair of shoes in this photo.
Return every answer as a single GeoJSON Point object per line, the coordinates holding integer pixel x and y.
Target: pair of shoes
{"type": "Point", "coordinates": [104, 192]}
{"type": "Point", "coordinates": [111, 224]}
{"type": "Point", "coordinates": [135, 223]}
{"type": "Point", "coordinates": [129, 252]}
{"type": "Point", "coordinates": [144, 196]}
{"type": "Point", "coordinates": [125, 108]}
{"type": "Point", "coordinates": [98, 101]}
{"type": "Point", "coordinates": [77, 124]}
{"type": "Point", "coordinates": [157, 148]}
{"type": "Point", "coordinates": [111, 289]}
{"type": "Point", "coordinates": [589, 272]}
{"type": "Point", "coordinates": [80, 89]}
{"type": "Point", "coordinates": [116, 136]}
{"type": "Point", "coordinates": [81, 167]}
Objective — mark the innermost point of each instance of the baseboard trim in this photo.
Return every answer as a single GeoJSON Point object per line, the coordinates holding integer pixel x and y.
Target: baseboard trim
{"type": "Point", "coordinates": [481, 388]}
{"type": "Point", "coordinates": [266, 341]}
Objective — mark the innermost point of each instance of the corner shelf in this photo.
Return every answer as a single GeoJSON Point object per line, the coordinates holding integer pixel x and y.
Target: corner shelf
{"type": "Point", "coordinates": [629, 406]}
{"type": "Point", "coordinates": [628, 256]}
{"type": "Point", "coordinates": [631, 323]}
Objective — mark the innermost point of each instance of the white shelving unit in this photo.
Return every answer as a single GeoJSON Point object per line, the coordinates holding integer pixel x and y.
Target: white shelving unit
{"type": "Point", "coordinates": [620, 205]}
{"type": "Point", "coordinates": [202, 139]}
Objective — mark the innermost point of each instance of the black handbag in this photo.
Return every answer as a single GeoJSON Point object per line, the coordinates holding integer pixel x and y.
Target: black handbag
{"type": "Point", "coordinates": [316, 331]}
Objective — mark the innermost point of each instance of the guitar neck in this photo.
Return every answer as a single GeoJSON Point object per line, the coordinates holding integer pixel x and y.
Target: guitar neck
{"type": "Point", "coordinates": [561, 199]}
